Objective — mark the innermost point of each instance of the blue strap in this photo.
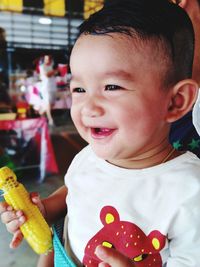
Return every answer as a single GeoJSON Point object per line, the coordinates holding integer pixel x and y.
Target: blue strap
{"type": "Point", "coordinates": [61, 258]}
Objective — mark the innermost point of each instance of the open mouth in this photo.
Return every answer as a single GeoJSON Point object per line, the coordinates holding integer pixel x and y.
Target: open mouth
{"type": "Point", "coordinates": [101, 132]}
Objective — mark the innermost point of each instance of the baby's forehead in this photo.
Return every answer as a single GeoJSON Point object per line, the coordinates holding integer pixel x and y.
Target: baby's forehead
{"type": "Point", "coordinates": [108, 52]}
{"type": "Point", "coordinates": [154, 48]}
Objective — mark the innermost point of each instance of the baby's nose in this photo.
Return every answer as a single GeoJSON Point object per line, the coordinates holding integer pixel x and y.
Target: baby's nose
{"type": "Point", "coordinates": [92, 108]}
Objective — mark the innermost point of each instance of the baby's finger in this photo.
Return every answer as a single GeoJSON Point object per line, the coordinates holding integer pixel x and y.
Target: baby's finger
{"type": "Point", "coordinates": [35, 197]}
{"type": "Point", "coordinates": [17, 239]}
{"type": "Point", "coordinates": [15, 224]}
{"type": "Point", "coordinates": [112, 257]}
{"type": "Point", "coordinates": [10, 215]}
{"type": "Point", "coordinates": [3, 207]}
{"type": "Point", "coordinates": [103, 264]}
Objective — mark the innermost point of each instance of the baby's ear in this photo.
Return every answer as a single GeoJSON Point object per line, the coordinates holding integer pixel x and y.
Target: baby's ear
{"type": "Point", "coordinates": [183, 97]}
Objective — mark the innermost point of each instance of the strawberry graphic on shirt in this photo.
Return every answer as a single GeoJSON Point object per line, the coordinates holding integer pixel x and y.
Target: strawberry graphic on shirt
{"type": "Point", "coordinates": [127, 238]}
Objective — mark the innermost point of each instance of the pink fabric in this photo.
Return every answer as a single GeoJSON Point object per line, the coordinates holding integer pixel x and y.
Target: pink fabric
{"type": "Point", "coordinates": [35, 128]}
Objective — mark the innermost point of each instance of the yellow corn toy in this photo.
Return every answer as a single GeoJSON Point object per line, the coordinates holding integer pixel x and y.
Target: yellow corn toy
{"type": "Point", "coordinates": [35, 230]}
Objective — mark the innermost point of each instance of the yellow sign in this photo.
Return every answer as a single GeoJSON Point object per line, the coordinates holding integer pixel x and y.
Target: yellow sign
{"type": "Point", "coordinates": [54, 7]}
{"type": "Point", "coordinates": [11, 5]}
{"type": "Point", "coordinates": [92, 6]}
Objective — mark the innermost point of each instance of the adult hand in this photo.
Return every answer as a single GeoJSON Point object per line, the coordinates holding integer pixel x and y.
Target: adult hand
{"type": "Point", "coordinates": [112, 257]}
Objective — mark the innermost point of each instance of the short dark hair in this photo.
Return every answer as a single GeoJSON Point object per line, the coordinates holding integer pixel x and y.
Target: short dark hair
{"type": "Point", "coordinates": [159, 22]}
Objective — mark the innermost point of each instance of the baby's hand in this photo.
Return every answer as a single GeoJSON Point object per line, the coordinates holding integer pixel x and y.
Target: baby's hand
{"type": "Point", "coordinates": [14, 219]}
{"type": "Point", "coordinates": [112, 258]}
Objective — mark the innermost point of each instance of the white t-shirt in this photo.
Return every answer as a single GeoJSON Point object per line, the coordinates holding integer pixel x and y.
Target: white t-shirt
{"type": "Point", "coordinates": [151, 215]}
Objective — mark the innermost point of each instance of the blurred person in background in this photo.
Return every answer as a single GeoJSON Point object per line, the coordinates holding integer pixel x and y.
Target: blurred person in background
{"type": "Point", "coordinates": [48, 85]}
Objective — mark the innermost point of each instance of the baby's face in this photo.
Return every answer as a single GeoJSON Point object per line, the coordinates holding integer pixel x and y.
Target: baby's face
{"type": "Point", "coordinates": [118, 104]}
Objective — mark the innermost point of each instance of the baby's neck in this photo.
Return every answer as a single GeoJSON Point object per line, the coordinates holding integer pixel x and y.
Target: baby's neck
{"type": "Point", "coordinates": [148, 160]}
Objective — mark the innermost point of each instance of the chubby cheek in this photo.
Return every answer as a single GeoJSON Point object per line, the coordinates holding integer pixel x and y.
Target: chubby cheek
{"type": "Point", "coordinates": [73, 113]}
{"type": "Point", "coordinates": [76, 118]}
{"type": "Point", "coordinates": [139, 123]}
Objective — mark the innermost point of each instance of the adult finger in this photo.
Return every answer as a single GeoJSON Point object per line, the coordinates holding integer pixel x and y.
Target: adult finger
{"type": "Point", "coordinates": [112, 257]}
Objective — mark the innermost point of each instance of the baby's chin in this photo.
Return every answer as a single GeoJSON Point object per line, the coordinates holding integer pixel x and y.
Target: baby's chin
{"type": "Point", "coordinates": [101, 154]}
{"type": "Point", "coordinates": [104, 154]}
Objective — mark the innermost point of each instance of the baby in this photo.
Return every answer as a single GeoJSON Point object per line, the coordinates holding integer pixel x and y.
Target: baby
{"type": "Point", "coordinates": [131, 199]}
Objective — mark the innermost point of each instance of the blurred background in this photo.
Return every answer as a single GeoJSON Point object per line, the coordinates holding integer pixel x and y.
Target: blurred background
{"type": "Point", "coordinates": [37, 137]}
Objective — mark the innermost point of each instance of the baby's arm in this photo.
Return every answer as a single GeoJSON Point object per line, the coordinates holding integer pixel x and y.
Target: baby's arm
{"type": "Point", "coordinates": [53, 208]}
{"type": "Point", "coordinates": [55, 205]}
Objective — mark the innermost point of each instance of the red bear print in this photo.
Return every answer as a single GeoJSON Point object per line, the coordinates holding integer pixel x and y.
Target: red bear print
{"type": "Point", "coordinates": [127, 238]}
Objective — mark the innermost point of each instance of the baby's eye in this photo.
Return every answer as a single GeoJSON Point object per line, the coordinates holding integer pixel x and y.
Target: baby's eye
{"type": "Point", "coordinates": [112, 87]}
{"type": "Point", "coordinates": [78, 90]}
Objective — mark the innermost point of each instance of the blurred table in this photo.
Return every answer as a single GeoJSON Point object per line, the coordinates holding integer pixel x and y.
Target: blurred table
{"type": "Point", "coordinates": [28, 145]}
